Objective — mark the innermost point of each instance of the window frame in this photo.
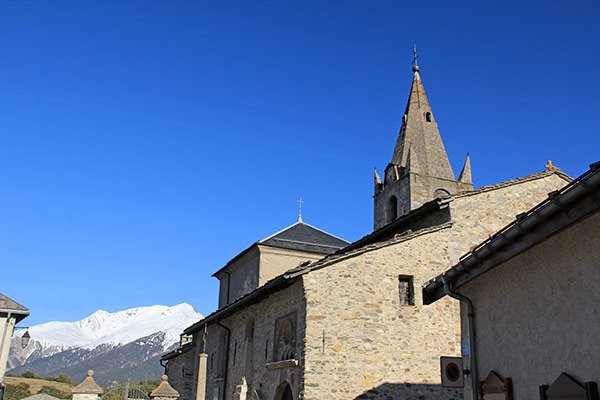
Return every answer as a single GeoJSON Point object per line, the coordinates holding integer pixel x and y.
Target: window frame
{"type": "Point", "coordinates": [410, 295]}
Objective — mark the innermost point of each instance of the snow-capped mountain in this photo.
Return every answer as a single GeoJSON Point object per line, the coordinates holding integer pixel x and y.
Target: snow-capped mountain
{"type": "Point", "coordinates": [145, 332]}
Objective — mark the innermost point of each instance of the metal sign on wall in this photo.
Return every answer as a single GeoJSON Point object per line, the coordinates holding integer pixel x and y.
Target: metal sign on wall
{"type": "Point", "coordinates": [453, 374]}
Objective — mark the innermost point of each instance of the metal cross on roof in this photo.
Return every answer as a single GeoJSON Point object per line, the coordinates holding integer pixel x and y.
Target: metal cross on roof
{"type": "Point", "coordinates": [300, 202]}
{"type": "Point", "coordinates": [415, 59]}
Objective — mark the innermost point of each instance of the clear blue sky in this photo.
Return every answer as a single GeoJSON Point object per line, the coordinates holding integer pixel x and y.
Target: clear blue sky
{"type": "Point", "coordinates": [145, 143]}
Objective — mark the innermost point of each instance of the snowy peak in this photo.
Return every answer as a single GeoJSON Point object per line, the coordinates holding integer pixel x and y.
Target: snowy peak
{"type": "Point", "coordinates": [105, 342]}
{"type": "Point", "coordinates": [116, 328]}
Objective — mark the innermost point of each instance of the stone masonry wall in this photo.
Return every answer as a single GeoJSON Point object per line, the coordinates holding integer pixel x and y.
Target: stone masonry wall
{"type": "Point", "coordinates": [423, 188]}
{"type": "Point", "coordinates": [361, 343]}
{"type": "Point", "coordinates": [399, 188]}
{"type": "Point", "coordinates": [182, 372]}
{"type": "Point", "coordinates": [275, 261]}
{"type": "Point", "coordinates": [242, 280]}
{"type": "Point", "coordinates": [254, 366]}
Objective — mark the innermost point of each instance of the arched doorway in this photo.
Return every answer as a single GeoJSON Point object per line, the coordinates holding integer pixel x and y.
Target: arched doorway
{"type": "Point", "coordinates": [284, 392]}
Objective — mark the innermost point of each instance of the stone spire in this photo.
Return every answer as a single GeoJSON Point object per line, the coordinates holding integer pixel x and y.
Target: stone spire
{"type": "Point", "coordinates": [420, 134]}
{"type": "Point", "coordinates": [465, 174]}
{"type": "Point", "coordinates": [419, 170]}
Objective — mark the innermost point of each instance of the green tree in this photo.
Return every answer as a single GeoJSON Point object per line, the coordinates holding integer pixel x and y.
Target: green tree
{"type": "Point", "coordinates": [52, 391]}
{"type": "Point", "coordinates": [28, 374]}
{"type": "Point", "coordinates": [64, 378]}
{"type": "Point", "coordinates": [111, 395]}
{"type": "Point", "coordinates": [148, 386]}
{"type": "Point", "coordinates": [17, 392]}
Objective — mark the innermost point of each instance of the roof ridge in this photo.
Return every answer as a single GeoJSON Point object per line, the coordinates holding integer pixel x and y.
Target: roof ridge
{"type": "Point", "coordinates": [322, 231]}
{"type": "Point", "coordinates": [397, 238]}
{"type": "Point", "coordinates": [279, 231]}
{"type": "Point", "coordinates": [515, 181]}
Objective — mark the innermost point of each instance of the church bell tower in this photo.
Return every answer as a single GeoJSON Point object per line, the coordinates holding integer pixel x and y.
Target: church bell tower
{"type": "Point", "coordinates": [419, 170]}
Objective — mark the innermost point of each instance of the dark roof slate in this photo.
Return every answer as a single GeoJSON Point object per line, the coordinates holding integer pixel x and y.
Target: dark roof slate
{"type": "Point", "coordinates": [299, 236]}
{"type": "Point", "coordinates": [305, 237]}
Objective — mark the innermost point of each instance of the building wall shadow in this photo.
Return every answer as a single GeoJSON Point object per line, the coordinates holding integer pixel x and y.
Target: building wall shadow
{"type": "Point", "coordinates": [411, 391]}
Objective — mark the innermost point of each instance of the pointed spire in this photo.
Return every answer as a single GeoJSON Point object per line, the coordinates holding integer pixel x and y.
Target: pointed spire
{"type": "Point", "coordinates": [420, 131]}
{"type": "Point", "coordinates": [465, 174]}
{"type": "Point", "coordinates": [376, 177]}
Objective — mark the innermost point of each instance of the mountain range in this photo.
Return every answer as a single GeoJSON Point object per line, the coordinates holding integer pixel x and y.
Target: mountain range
{"type": "Point", "coordinates": [119, 346]}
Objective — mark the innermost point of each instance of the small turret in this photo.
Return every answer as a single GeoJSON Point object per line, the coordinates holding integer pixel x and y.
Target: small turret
{"type": "Point", "coordinates": [378, 182]}
{"type": "Point", "coordinates": [465, 174]}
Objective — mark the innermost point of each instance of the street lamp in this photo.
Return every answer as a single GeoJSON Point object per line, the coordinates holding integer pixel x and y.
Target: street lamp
{"type": "Point", "coordinates": [25, 339]}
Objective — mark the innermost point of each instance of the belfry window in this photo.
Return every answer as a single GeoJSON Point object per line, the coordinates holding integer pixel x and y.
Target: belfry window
{"type": "Point", "coordinates": [428, 116]}
{"type": "Point", "coordinates": [441, 193]}
{"type": "Point", "coordinates": [392, 209]}
{"type": "Point", "coordinates": [406, 290]}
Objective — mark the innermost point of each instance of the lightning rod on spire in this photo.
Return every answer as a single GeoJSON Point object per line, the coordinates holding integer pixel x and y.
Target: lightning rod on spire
{"type": "Point", "coordinates": [300, 202]}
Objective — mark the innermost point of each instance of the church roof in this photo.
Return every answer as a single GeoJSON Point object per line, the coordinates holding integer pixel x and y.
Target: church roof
{"type": "Point", "coordinates": [304, 237]}
{"type": "Point", "coordinates": [299, 236]}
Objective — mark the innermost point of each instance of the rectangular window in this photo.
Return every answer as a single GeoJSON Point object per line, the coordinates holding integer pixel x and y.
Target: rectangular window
{"type": "Point", "coordinates": [406, 290]}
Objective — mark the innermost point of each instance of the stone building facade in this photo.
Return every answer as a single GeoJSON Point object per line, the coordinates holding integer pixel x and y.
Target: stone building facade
{"type": "Point", "coordinates": [351, 325]}
{"type": "Point", "coordinates": [548, 260]}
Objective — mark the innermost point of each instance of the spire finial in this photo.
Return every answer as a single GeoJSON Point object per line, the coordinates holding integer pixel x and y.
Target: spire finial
{"type": "Point", "coordinates": [300, 202]}
{"type": "Point", "coordinates": [415, 67]}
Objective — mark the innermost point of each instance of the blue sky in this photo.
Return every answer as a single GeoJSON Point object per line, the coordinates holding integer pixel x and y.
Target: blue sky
{"type": "Point", "coordinates": [145, 143]}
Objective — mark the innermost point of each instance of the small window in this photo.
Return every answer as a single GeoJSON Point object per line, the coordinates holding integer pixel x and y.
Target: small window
{"type": "Point", "coordinates": [406, 290]}
{"type": "Point", "coordinates": [428, 116]}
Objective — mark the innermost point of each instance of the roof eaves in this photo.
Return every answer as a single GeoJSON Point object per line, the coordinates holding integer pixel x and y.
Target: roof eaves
{"type": "Point", "coordinates": [531, 177]}
{"type": "Point", "coordinates": [175, 352]}
{"type": "Point", "coordinates": [397, 224]}
{"type": "Point", "coordinates": [234, 259]}
{"type": "Point", "coordinates": [256, 295]}
{"type": "Point", "coordinates": [524, 223]}
{"type": "Point", "coordinates": [334, 258]}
